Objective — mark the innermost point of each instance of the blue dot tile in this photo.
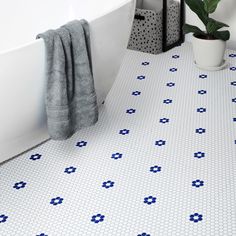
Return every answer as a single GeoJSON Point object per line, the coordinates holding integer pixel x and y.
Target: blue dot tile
{"type": "Point", "coordinates": [124, 131]}
{"type": "Point", "coordinates": [145, 63]}
{"type": "Point", "coordinates": [196, 217]}
{"type": "Point", "coordinates": [116, 155]}
{"type": "Point", "coordinates": [19, 185]}
{"type": "Point", "coordinates": [81, 144]}
{"type": "Point", "coordinates": [175, 56]}
{"type": "Point", "coordinates": [201, 110]}
{"type": "Point", "coordinates": [70, 170]}
{"type": "Point", "coordinates": [173, 69]}
{"type": "Point", "coordinates": [56, 201]}
{"type": "Point", "coordinates": [108, 184]}
{"type": "Point", "coordinates": [143, 234]}
{"type": "Point", "coordinates": [203, 76]}
{"type": "Point", "coordinates": [155, 169]}
{"type": "Point", "coordinates": [198, 183]}
{"type": "Point", "coordinates": [141, 77]}
{"type": "Point", "coordinates": [97, 218]}
{"type": "Point", "coordinates": [35, 157]}
{"type": "Point", "coordinates": [164, 120]}
{"type": "Point", "coordinates": [136, 93]}
{"type": "Point", "coordinates": [201, 92]}
{"type": "Point", "coordinates": [160, 143]}
{"type": "Point", "coordinates": [232, 55]}
{"type": "Point", "coordinates": [233, 68]}
{"type": "Point", "coordinates": [150, 200]}
{"type": "Point", "coordinates": [131, 111]}
{"type": "Point", "coordinates": [199, 155]}
{"type": "Point", "coordinates": [200, 131]}
{"type": "Point", "coordinates": [3, 218]}
{"type": "Point", "coordinates": [233, 83]}
{"type": "Point", "coordinates": [170, 84]}
{"type": "Point", "coordinates": [167, 101]}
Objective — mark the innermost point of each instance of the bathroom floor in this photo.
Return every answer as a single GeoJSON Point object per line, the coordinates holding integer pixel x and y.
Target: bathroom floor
{"type": "Point", "coordinates": [160, 161]}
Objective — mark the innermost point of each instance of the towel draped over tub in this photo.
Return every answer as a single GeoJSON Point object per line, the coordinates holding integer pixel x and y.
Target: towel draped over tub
{"type": "Point", "coordinates": [71, 101]}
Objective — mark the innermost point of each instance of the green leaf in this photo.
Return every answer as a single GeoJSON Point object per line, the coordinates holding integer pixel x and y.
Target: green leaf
{"type": "Point", "coordinates": [214, 25]}
{"type": "Point", "coordinates": [197, 6]}
{"type": "Point", "coordinates": [192, 29]}
{"type": "Point", "coordinates": [223, 35]}
{"type": "Point", "coordinates": [210, 5]}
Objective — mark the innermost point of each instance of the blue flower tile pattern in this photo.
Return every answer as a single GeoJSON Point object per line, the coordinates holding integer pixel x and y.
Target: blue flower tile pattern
{"type": "Point", "coordinates": [97, 218]}
{"type": "Point", "coordinates": [56, 201]}
{"type": "Point", "coordinates": [201, 110]}
{"type": "Point", "coordinates": [81, 144]}
{"type": "Point", "coordinates": [199, 155]}
{"type": "Point", "coordinates": [131, 111]}
{"type": "Point", "coordinates": [35, 157]}
{"type": "Point", "coordinates": [136, 93]}
{"type": "Point", "coordinates": [196, 217]}
{"type": "Point", "coordinates": [203, 76]}
{"type": "Point", "coordinates": [19, 185]}
{"type": "Point", "coordinates": [3, 218]}
{"type": "Point", "coordinates": [150, 200]}
{"type": "Point", "coordinates": [167, 101]}
{"type": "Point", "coordinates": [233, 68]}
{"type": "Point", "coordinates": [116, 155]}
{"type": "Point", "coordinates": [175, 56]}
{"type": "Point", "coordinates": [164, 120]}
{"type": "Point", "coordinates": [170, 84]}
{"type": "Point", "coordinates": [163, 170]}
{"type": "Point", "coordinates": [141, 77]}
{"type": "Point", "coordinates": [173, 69]}
{"type": "Point", "coordinates": [143, 234]}
{"type": "Point", "coordinates": [200, 131]}
{"type": "Point", "coordinates": [124, 131]}
{"type": "Point", "coordinates": [198, 183]}
{"type": "Point", "coordinates": [108, 184]}
{"type": "Point", "coordinates": [155, 169]}
{"type": "Point", "coordinates": [201, 92]}
{"type": "Point", "coordinates": [70, 170]}
{"type": "Point", "coordinates": [160, 143]}
{"type": "Point", "coordinates": [232, 55]}
{"type": "Point", "coordinates": [145, 63]}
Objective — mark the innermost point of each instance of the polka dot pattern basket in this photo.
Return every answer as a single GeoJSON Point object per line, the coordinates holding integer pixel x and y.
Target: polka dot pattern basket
{"type": "Point", "coordinates": [146, 35]}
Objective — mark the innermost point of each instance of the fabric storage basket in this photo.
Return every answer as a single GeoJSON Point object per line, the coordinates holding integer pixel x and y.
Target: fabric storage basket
{"type": "Point", "coordinates": [146, 35]}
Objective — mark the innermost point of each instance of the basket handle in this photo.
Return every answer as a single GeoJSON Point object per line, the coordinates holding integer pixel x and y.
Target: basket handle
{"type": "Point", "coordinates": [139, 17]}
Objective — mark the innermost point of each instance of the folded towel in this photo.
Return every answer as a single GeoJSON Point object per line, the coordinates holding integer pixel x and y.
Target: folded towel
{"type": "Point", "coordinates": [71, 101]}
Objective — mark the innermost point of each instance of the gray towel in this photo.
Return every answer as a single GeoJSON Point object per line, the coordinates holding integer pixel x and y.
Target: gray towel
{"type": "Point", "coordinates": [71, 101]}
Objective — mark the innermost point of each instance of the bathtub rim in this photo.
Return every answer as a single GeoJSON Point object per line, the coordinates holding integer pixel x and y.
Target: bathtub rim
{"type": "Point", "coordinates": [96, 17]}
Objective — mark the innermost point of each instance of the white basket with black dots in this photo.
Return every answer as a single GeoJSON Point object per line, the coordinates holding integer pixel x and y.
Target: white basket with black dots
{"type": "Point", "coordinates": [147, 31]}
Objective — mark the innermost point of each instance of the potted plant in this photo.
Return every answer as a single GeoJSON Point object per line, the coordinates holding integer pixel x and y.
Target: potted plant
{"type": "Point", "coordinates": [209, 45]}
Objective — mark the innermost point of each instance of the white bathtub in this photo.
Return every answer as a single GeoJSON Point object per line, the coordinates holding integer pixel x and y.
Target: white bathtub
{"type": "Point", "coordinates": [22, 60]}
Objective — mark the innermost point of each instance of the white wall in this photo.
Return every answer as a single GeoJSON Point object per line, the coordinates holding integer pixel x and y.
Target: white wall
{"type": "Point", "coordinates": [226, 12]}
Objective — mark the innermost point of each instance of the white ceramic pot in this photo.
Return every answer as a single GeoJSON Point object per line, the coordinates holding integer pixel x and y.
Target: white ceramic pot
{"type": "Point", "coordinates": [208, 52]}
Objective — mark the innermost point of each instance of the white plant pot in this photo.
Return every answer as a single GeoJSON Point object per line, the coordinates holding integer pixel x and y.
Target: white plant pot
{"type": "Point", "coordinates": [208, 52]}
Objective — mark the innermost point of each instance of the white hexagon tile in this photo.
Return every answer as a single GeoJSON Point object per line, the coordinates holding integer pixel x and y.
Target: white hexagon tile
{"type": "Point", "coordinates": [161, 161]}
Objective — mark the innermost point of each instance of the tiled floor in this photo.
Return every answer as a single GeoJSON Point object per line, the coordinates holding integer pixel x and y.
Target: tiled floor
{"type": "Point", "coordinates": [161, 161]}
